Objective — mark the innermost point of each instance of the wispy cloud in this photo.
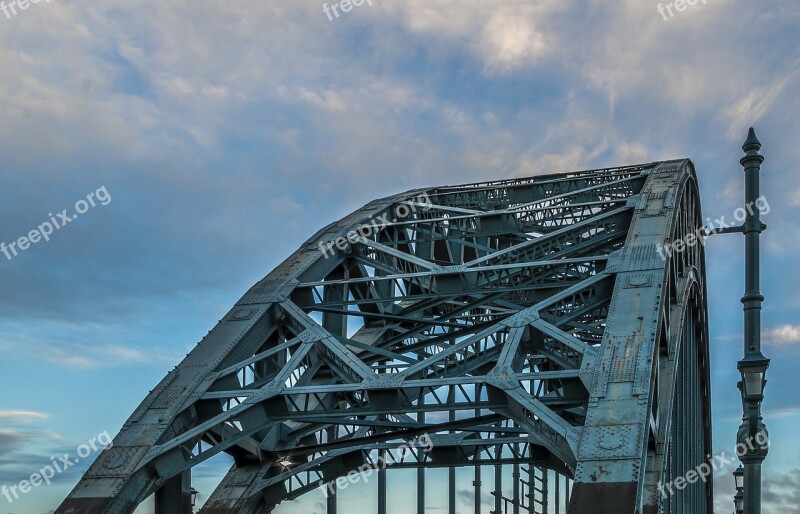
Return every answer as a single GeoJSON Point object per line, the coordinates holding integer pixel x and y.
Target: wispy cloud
{"type": "Point", "coordinates": [754, 104]}
{"type": "Point", "coordinates": [11, 440]}
{"type": "Point", "coordinates": [780, 337]}
{"type": "Point", "coordinates": [74, 352]}
{"type": "Point", "coordinates": [782, 412]}
{"type": "Point", "coordinates": [15, 440]}
{"type": "Point", "coordinates": [22, 416]}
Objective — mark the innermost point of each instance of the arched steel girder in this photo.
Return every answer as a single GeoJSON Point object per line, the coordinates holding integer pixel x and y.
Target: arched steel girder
{"type": "Point", "coordinates": [649, 418]}
{"type": "Point", "coordinates": [489, 316]}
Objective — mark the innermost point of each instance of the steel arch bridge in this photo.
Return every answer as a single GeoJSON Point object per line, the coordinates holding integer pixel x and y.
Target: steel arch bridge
{"type": "Point", "coordinates": [533, 324]}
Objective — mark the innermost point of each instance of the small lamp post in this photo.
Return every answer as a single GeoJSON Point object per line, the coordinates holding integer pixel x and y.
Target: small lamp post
{"type": "Point", "coordinates": [738, 502]}
{"type": "Point", "coordinates": [738, 499]}
{"type": "Point", "coordinates": [193, 497]}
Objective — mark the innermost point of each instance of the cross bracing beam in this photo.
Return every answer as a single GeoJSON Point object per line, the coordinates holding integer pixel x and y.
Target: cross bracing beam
{"type": "Point", "coordinates": [524, 322]}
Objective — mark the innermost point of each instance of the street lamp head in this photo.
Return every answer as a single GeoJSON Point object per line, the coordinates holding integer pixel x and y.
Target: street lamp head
{"type": "Point", "coordinates": [753, 369]}
{"type": "Point", "coordinates": [738, 477]}
{"type": "Point", "coordinates": [193, 496]}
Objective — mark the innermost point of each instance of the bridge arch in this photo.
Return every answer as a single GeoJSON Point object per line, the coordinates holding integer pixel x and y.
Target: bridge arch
{"type": "Point", "coordinates": [529, 323]}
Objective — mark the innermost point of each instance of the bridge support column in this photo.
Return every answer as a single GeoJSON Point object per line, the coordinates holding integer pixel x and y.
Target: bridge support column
{"type": "Point", "coordinates": [545, 493]}
{"type": "Point", "coordinates": [451, 473]}
{"type": "Point", "coordinates": [451, 493]}
{"type": "Point", "coordinates": [498, 485]}
{"type": "Point", "coordinates": [421, 470]}
{"type": "Point", "coordinates": [477, 484]}
{"type": "Point", "coordinates": [382, 484]}
{"type": "Point", "coordinates": [330, 506]}
{"type": "Point", "coordinates": [331, 502]}
{"type": "Point", "coordinates": [516, 481]}
{"type": "Point", "coordinates": [175, 496]}
{"type": "Point", "coordinates": [558, 495]}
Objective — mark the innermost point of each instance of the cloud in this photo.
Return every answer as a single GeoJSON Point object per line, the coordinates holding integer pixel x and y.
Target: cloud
{"type": "Point", "coordinates": [90, 356]}
{"type": "Point", "coordinates": [510, 40]}
{"type": "Point", "coordinates": [22, 416]}
{"type": "Point", "coordinates": [780, 337]}
{"type": "Point", "coordinates": [466, 497]}
{"type": "Point", "coordinates": [751, 108]}
{"type": "Point", "coordinates": [78, 348]}
{"type": "Point", "coordinates": [782, 412]}
{"type": "Point", "coordinates": [11, 440]}
{"type": "Point", "coordinates": [781, 492]}
{"type": "Point", "coordinates": [504, 36]}
{"type": "Point", "coordinates": [783, 336]}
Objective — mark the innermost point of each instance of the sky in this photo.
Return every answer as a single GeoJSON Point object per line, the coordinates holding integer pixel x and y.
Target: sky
{"type": "Point", "coordinates": [206, 141]}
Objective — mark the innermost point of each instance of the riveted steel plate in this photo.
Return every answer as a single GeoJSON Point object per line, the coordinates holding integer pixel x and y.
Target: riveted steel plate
{"type": "Point", "coordinates": [610, 442]}
{"type": "Point", "coordinates": [638, 280]}
{"type": "Point", "coordinates": [117, 461]}
{"type": "Point", "coordinates": [521, 318]}
{"type": "Point", "coordinates": [268, 291]}
{"type": "Point", "coordinates": [168, 396]}
{"type": "Point", "coordinates": [313, 334]}
{"type": "Point", "coordinates": [242, 313]}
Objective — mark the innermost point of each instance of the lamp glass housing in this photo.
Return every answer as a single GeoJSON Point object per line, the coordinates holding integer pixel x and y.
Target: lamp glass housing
{"type": "Point", "coordinates": [738, 477]}
{"type": "Point", "coordinates": [753, 369]}
{"type": "Point", "coordinates": [753, 383]}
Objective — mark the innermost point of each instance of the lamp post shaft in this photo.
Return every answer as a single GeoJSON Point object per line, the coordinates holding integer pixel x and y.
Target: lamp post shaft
{"type": "Point", "coordinates": [752, 488]}
{"type": "Point", "coordinates": [752, 229]}
{"type": "Point", "coordinates": [751, 302]}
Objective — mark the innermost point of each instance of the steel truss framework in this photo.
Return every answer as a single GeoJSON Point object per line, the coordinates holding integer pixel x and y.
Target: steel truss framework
{"type": "Point", "coordinates": [528, 323]}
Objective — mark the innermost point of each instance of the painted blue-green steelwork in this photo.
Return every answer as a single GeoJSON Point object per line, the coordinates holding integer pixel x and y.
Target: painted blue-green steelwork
{"type": "Point", "coordinates": [538, 327]}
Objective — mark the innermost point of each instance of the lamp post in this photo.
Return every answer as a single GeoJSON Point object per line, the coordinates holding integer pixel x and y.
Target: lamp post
{"type": "Point", "coordinates": [738, 499]}
{"type": "Point", "coordinates": [753, 365]}
{"type": "Point", "coordinates": [192, 497]}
